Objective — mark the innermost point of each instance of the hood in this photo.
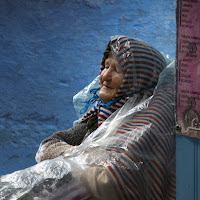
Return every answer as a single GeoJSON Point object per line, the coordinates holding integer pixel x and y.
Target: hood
{"type": "Point", "coordinates": [140, 62]}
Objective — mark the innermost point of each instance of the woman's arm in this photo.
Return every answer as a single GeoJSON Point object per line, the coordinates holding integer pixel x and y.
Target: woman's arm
{"type": "Point", "coordinates": [72, 136]}
{"type": "Point", "coordinates": [61, 142]}
{"type": "Point", "coordinates": [65, 141]}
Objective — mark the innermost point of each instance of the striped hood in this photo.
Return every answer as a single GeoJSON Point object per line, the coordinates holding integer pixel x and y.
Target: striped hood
{"type": "Point", "coordinates": [141, 64]}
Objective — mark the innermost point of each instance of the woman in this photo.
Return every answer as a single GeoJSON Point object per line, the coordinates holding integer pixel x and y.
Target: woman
{"type": "Point", "coordinates": [131, 155]}
{"type": "Point", "coordinates": [129, 67]}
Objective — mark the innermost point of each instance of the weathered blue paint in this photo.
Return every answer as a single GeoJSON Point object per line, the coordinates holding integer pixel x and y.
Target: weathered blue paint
{"type": "Point", "coordinates": [51, 49]}
{"type": "Point", "coordinates": [187, 168]}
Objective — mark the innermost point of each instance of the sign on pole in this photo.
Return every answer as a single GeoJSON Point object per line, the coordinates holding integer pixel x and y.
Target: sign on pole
{"type": "Point", "coordinates": [188, 68]}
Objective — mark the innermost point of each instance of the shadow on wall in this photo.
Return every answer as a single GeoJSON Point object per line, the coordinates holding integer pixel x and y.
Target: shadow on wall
{"type": "Point", "coordinates": [50, 50]}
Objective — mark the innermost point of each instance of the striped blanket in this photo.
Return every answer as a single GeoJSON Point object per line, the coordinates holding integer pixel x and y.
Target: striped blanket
{"type": "Point", "coordinates": [137, 157]}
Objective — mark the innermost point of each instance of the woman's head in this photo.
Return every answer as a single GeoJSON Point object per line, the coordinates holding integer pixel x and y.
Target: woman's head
{"type": "Point", "coordinates": [111, 78]}
{"type": "Point", "coordinates": [129, 67]}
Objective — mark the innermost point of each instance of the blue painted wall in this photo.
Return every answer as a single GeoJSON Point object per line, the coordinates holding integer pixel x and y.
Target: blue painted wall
{"type": "Point", "coordinates": [187, 168]}
{"type": "Point", "coordinates": [51, 49]}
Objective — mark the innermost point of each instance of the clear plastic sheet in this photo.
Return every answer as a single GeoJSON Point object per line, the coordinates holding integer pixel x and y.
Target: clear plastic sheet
{"type": "Point", "coordinates": [108, 165]}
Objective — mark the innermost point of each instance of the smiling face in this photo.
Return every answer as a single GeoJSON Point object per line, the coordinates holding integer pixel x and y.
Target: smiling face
{"type": "Point", "coordinates": [110, 79]}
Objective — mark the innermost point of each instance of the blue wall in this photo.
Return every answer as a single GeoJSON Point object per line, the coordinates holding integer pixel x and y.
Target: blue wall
{"type": "Point", "coordinates": [51, 49]}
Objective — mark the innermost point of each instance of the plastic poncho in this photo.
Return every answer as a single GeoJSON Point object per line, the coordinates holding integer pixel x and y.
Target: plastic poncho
{"type": "Point", "coordinates": [130, 156]}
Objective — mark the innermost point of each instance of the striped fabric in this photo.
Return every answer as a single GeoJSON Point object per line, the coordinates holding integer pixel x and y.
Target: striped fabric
{"type": "Point", "coordinates": [141, 64]}
{"type": "Point", "coordinates": [137, 157]}
{"type": "Point", "coordinates": [139, 154]}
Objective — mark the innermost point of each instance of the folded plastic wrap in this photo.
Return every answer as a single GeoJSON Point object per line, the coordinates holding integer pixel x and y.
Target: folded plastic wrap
{"type": "Point", "coordinates": [86, 98]}
{"type": "Point", "coordinates": [130, 156]}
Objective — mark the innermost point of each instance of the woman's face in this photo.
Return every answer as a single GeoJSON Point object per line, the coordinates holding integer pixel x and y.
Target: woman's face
{"type": "Point", "coordinates": [110, 79]}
